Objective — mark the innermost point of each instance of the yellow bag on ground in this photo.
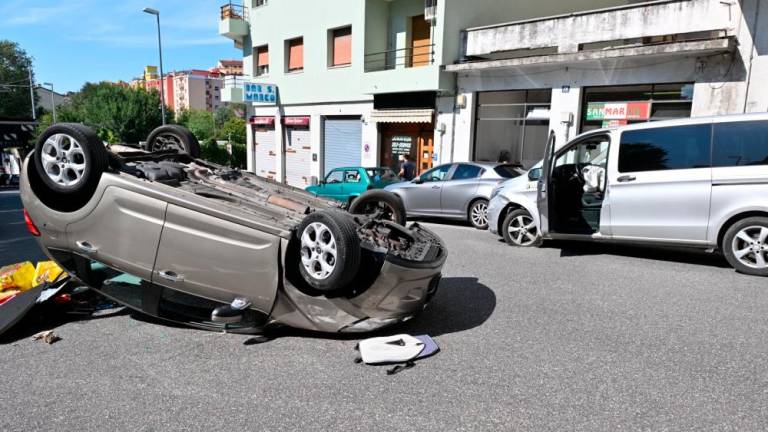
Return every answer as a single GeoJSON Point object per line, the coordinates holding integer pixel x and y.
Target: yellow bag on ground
{"type": "Point", "coordinates": [19, 276]}
{"type": "Point", "coordinates": [46, 271]}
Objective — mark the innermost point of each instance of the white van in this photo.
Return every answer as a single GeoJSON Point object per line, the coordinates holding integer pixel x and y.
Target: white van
{"type": "Point", "coordinates": [700, 182]}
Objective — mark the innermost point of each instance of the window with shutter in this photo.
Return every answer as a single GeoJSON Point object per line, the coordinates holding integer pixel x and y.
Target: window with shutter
{"type": "Point", "coordinates": [295, 55]}
{"type": "Point", "coordinates": [342, 47]}
{"type": "Point", "coordinates": [262, 60]}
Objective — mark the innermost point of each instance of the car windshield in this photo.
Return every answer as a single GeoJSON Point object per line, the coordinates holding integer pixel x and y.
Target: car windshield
{"type": "Point", "coordinates": [508, 171]}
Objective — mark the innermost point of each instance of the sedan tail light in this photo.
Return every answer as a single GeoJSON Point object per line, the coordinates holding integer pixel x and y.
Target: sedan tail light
{"type": "Point", "coordinates": [31, 225]}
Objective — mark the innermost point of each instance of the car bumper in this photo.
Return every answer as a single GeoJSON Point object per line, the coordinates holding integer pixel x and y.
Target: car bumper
{"type": "Point", "coordinates": [495, 208]}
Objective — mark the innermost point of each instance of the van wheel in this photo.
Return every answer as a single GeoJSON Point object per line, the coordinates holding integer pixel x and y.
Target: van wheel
{"type": "Point", "coordinates": [478, 214]}
{"type": "Point", "coordinates": [173, 137]}
{"type": "Point", "coordinates": [380, 202]}
{"type": "Point", "coordinates": [329, 250]}
{"type": "Point", "coordinates": [69, 160]}
{"type": "Point", "coordinates": [519, 229]}
{"type": "Point", "coordinates": [745, 246]}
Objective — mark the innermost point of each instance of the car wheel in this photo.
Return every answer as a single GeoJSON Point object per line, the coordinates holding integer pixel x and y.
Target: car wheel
{"type": "Point", "coordinates": [69, 160]}
{"type": "Point", "coordinates": [173, 137]}
{"type": "Point", "coordinates": [478, 214]}
{"type": "Point", "coordinates": [519, 229]}
{"type": "Point", "coordinates": [382, 203]}
{"type": "Point", "coordinates": [329, 250]}
{"type": "Point", "coordinates": [745, 246]}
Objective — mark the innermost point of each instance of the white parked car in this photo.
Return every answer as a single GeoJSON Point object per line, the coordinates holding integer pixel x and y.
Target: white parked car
{"type": "Point", "coordinates": [700, 182]}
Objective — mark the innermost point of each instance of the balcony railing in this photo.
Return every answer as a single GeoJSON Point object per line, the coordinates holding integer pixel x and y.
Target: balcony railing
{"type": "Point", "coordinates": [234, 11]}
{"type": "Point", "coordinates": [233, 81]}
{"type": "Point", "coordinates": [423, 55]}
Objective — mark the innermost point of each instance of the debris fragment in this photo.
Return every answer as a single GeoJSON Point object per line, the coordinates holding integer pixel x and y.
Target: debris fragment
{"type": "Point", "coordinates": [47, 336]}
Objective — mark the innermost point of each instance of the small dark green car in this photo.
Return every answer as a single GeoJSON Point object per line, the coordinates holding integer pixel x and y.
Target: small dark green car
{"type": "Point", "coordinates": [346, 184]}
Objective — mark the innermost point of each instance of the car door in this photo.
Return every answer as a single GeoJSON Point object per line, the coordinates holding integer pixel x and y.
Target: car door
{"type": "Point", "coordinates": [542, 199]}
{"type": "Point", "coordinates": [423, 195]}
{"type": "Point", "coordinates": [354, 183]}
{"type": "Point", "coordinates": [122, 232]}
{"type": "Point", "coordinates": [459, 189]}
{"type": "Point", "coordinates": [216, 259]}
{"type": "Point", "coordinates": [660, 184]}
{"type": "Point", "coordinates": [333, 187]}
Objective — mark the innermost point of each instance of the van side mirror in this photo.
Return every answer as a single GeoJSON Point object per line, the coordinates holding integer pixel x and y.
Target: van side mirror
{"type": "Point", "coordinates": [534, 174]}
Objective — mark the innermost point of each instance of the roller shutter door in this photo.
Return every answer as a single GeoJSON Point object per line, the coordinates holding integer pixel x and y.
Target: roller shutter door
{"type": "Point", "coordinates": [265, 154]}
{"type": "Point", "coordinates": [343, 138]}
{"type": "Point", "coordinates": [298, 157]}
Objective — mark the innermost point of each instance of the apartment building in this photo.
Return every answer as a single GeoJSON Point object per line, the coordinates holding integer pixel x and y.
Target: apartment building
{"type": "Point", "coordinates": [600, 67]}
{"type": "Point", "coordinates": [358, 82]}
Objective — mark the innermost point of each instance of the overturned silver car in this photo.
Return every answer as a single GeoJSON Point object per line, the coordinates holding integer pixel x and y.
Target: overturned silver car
{"type": "Point", "coordinates": [184, 240]}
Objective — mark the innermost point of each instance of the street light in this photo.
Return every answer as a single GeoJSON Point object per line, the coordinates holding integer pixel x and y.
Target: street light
{"type": "Point", "coordinates": [53, 102]}
{"type": "Point", "coordinates": [156, 13]}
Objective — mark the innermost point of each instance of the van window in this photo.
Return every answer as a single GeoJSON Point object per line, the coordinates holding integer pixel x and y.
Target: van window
{"type": "Point", "coordinates": [665, 148]}
{"type": "Point", "coordinates": [740, 144]}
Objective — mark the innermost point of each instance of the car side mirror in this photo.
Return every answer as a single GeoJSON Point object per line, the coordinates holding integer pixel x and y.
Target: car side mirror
{"type": "Point", "coordinates": [417, 180]}
{"type": "Point", "coordinates": [534, 174]}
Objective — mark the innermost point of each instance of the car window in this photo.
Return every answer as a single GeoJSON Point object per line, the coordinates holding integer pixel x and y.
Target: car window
{"type": "Point", "coordinates": [589, 151]}
{"type": "Point", "coordinates": [507, 171]}
{"type": "Point", "coordinates": [665, 148]}
{"type": "Point", "coordinates": [436, 174]}
{"type": "Point", "coordinates": [378, 174]}
{"type": "Point", "coordinates": [465, 172]}
{"type": "Point", "coordinates": [740, 144]}
{"type": "Point", "coordinates": [352, 176]}
{"type": "Point", "coordinates": [335, 177]}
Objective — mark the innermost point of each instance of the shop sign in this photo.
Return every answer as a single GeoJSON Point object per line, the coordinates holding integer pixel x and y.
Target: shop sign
{"type": "Point", "coordinates": [262, 121]}
{"type": "Point", "coordinates": [619, 111]}
{"type": "Point", "coordinates": [402, 144]}
{"type": "Point", "coordinates": [296, 121]}
{"type": "Point", "coordinates": [260, 93]}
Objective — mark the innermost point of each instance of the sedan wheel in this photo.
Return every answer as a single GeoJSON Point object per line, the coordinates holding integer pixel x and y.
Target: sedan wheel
{"type": "Point", "coordinates": [519, 229]}
{"type": "Point", "coordinates": [318, 251]}
{"type": "Point", "coordinates": [328, 255]}
{"type": "Point", "coordinates": [478, 214]}
{"type": "Point", "coordinates": [745, 246]}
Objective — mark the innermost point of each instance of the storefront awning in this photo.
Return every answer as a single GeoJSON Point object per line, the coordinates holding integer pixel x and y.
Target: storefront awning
{"type": "Point", "coordinates": [402, 116]}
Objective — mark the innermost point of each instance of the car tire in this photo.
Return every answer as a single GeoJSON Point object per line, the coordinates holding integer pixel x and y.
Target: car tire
{"type": "Point", "coordinates": [477, 214]}
{"type": "Point", "coordinates": [173, 137]}
{"type": "Point", "coordinates": [380, 201]}
{"type": "Point", "coordinates": [329, 250]}
{"type": "Point", "coordinates": [69, 160]}
{"type": "Point", "coordinates": [745, 246]}
{"type": "Point", "coordinates": [520, 230]}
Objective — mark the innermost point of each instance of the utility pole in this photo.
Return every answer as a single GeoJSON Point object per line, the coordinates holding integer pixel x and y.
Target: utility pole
{"type": "Point", "coordinates": [156, 13]}
{"type": "Point", "coordinates": [32, 93]}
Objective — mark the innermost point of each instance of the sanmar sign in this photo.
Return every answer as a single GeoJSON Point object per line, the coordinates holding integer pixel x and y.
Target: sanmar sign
{"type": "Point", "coordinates": [619, 111]}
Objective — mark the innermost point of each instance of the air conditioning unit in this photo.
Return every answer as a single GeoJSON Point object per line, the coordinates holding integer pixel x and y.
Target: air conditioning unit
{"type": "Point", "coordinates": [430, 10]}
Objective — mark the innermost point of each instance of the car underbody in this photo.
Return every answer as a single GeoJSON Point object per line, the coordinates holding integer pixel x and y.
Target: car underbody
{"type": "Point", "coordinates": [212, 223]}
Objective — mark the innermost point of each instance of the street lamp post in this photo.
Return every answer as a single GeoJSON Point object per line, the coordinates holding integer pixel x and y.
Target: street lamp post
{"type": "Point", "coordinates": [156, 13]}
{"type": "Point", "coordinates": [53, 101]}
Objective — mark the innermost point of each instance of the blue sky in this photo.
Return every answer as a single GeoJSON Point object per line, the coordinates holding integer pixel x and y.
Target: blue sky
{"type": "Point", "coordinates": [77, 41]}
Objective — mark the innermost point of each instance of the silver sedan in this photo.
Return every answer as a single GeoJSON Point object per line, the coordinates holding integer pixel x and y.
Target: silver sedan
{"type": "Point", "coordinates": [459, 191]}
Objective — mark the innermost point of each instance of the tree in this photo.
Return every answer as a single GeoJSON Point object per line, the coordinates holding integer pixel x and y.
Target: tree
{"type": "Point", "coordinates": [234, 130]}
{"type": "Point", "coordinates": [201, 123]}
{"type": "Point", "coordinates": [15, 66]}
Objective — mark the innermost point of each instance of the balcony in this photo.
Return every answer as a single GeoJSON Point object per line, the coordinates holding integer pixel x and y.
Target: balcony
{"type": "Point", "coordinates": [233, 22]}
{"type": "Point", "coordinates": [400, 58]}
{"type": "Point", "coordinates": [232, 92]}
{"type": "Point", "coordinates": [655, 28]}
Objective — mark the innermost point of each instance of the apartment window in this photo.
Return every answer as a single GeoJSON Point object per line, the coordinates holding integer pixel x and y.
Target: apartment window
{"type": "Point", "coordinates": [262, 60]}
{"type": "Point", "coordinates": [260, 3]}
{"type": "Point", "coordinates": [340, 47]}
{"type": "Point", "coordinates": [295, 53]}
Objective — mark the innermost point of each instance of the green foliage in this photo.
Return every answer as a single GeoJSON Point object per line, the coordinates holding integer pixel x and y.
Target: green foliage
{"type": "Point", "coordinates": [223, 115]}
{"type": "Point", "coordinates": [239, 156]}
{"type": "Point", "coordinates": [212, 152]}
{"type": "Point", "coordinates": [118, 113]}
{"type": "Point", "coordinates": [15, 64]}
{"type": "Point", "coordinates": [201, 124]}
{"type": "Point", "coordinates": [234, 130]}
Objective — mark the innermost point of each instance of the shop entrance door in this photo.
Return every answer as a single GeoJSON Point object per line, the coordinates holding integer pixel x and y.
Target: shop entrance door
{"type": "Point", "coordinates": [414, 139]}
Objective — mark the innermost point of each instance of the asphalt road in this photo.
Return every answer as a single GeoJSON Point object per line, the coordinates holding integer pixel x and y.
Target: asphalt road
{"type": "Point", "coordinates": [566, 337]}
{"type": "Point", "coordinates": [16, 244]}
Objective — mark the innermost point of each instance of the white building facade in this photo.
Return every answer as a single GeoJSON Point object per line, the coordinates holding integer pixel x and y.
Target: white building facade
{"type": "Point", "coordinates": [358, 82]}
